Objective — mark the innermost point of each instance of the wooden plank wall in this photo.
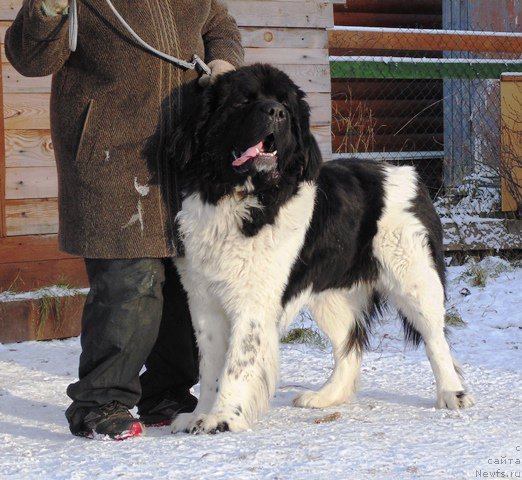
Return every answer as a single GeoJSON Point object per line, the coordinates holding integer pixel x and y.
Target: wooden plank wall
{"type": "Point", "coordinates": [30, 172]}
{"type": "Point", "coordinates": [290, 34]}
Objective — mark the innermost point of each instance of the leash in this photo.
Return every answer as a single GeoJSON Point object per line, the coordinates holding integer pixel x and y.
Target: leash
{"type": "Point", "coordinates": [195, 64]}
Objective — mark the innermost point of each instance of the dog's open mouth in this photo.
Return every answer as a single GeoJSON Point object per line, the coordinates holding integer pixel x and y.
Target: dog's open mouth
{"type": "Point", "coordinates": [263, 155]}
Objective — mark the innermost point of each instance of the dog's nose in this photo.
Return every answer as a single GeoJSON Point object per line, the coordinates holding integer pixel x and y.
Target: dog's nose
{"type": "Point", "coordinates": [274, 110]}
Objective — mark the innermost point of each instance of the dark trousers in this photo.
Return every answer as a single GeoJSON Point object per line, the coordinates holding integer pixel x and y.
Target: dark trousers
{"type": "Point", "coordinates": [136, 314]}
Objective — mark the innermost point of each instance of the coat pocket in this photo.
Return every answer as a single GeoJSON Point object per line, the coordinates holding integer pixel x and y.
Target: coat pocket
{"type": "Point", "coordinates": [85, 129]}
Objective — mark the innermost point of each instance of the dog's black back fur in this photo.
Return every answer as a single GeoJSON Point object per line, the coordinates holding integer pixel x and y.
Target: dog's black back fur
{"type": "Point", "coordinates": [337, 250]}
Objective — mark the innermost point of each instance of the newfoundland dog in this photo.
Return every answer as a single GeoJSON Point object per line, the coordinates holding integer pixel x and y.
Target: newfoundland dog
{"type": "Point", "coordinates": [268, 228]}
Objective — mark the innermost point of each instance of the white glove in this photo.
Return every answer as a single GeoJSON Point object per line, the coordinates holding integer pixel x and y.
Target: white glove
{"type": "Point", "coordinates": [217, 67]}
{"type": "Point", "coordinates": [54, 7]}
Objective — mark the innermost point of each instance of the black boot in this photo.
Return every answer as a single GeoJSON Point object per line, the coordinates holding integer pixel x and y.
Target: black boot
{"type": "Point", "coordinates": [112, 421]}
{"type": "Point", "coordinates": [158, 412]}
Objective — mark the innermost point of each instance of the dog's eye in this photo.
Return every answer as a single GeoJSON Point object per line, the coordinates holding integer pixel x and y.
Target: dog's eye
{"type": "Point", "coordinates": [242, 103]}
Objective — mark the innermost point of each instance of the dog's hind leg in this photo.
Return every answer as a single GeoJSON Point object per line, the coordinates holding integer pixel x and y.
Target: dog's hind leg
{"type": "Point", "coordinates": [339, 314]}
{"type": "Point", "coordinates": [417, 291]}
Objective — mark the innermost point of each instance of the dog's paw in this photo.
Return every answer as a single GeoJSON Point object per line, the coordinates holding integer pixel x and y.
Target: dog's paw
{"type": "Point", "coordinates": [455, 400]}
{"type": "Point", "coordinates": [216, 423]}
{"type": "Point", "coordinates": [184, 422]}
{"type": "Point", "coordinates": [311, 399]}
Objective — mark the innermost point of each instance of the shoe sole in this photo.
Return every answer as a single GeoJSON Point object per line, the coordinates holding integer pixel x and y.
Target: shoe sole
{"type": "Point", "coordinates": [135, 431]}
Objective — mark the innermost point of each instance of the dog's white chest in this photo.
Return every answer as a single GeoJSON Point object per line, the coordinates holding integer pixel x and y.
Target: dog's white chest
{"type": "Point", "coordinates": [217, 249]}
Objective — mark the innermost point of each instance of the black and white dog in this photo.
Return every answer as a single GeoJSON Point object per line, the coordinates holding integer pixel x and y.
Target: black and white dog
{"type": "Point", "coordinates": [268, 228]}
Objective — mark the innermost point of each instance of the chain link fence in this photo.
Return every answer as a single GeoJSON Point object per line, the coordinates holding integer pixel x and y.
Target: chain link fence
{"type": "Point", "coordinates": [432, 99]}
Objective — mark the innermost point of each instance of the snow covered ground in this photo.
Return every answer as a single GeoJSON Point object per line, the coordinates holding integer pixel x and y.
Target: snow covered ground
{"type": "Point", "coordinates": [390, 431]}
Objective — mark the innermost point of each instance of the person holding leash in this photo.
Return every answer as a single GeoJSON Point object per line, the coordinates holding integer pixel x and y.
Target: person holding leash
{"type": "Point", "coordinates": [112, 108]}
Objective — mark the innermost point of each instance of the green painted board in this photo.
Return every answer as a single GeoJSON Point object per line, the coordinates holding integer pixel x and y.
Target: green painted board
{"type": "Point", "coordinates": [418, 70]}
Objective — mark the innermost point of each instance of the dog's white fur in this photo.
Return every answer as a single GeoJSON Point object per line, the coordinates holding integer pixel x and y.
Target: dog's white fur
{"type": "Point", "coordinates": [235, 284]}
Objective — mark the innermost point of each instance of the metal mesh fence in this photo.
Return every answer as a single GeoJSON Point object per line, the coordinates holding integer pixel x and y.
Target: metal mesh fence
{"type": "Point", "coordinates": [432, 99]}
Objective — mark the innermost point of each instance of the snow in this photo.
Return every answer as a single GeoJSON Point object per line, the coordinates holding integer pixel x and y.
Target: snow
{"type": "Point", "coordinates": [390, 431]}
{"type": "Point", "coordinates": [467, 213]}
{"type": "Point", "coordinates": [54, 291]}
{"type": "Point", "coordinates": [475, 197]}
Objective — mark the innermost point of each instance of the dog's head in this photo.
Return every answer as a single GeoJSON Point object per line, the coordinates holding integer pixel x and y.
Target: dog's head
{"type": "Point", "coordinates": [250, 128]}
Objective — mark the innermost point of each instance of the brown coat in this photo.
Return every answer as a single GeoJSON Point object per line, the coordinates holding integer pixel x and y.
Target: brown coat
{"type": "Point", "coordinates": [110, 110]}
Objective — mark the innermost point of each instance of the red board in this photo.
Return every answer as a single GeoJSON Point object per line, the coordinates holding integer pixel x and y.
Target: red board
{"type": "Point", "coordinates": [31, 262]}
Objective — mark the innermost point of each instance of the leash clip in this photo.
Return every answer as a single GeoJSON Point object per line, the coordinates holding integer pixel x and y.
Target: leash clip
{"type": "Point", "coordinates": [200, 65]}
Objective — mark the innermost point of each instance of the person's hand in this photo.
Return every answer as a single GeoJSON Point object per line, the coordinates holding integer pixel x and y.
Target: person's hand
{"type": "Point", "coordinates": [55, 6]}
{"type": "Point", "coordinates": [217, 68]}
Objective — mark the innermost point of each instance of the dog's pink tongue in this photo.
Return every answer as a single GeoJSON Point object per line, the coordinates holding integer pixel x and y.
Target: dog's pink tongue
{"type": "Point", "coordinates": [248, 154]}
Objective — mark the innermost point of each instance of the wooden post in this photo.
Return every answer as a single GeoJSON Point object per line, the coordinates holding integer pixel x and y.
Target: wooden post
{"type": "Point", "coordinates": [511, 126]}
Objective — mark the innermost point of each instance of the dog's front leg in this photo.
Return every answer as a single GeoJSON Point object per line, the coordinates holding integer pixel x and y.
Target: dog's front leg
{"type": "Point", "coordinates": [249, 377]}
{"type": "Point", "coordinates": [212, 335]}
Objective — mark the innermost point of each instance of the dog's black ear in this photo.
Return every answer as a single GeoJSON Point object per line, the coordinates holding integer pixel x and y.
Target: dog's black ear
{"type": "Point", "coordinates": [183, 144]}
{"type": "Point", "coordinates": [313, 158]}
